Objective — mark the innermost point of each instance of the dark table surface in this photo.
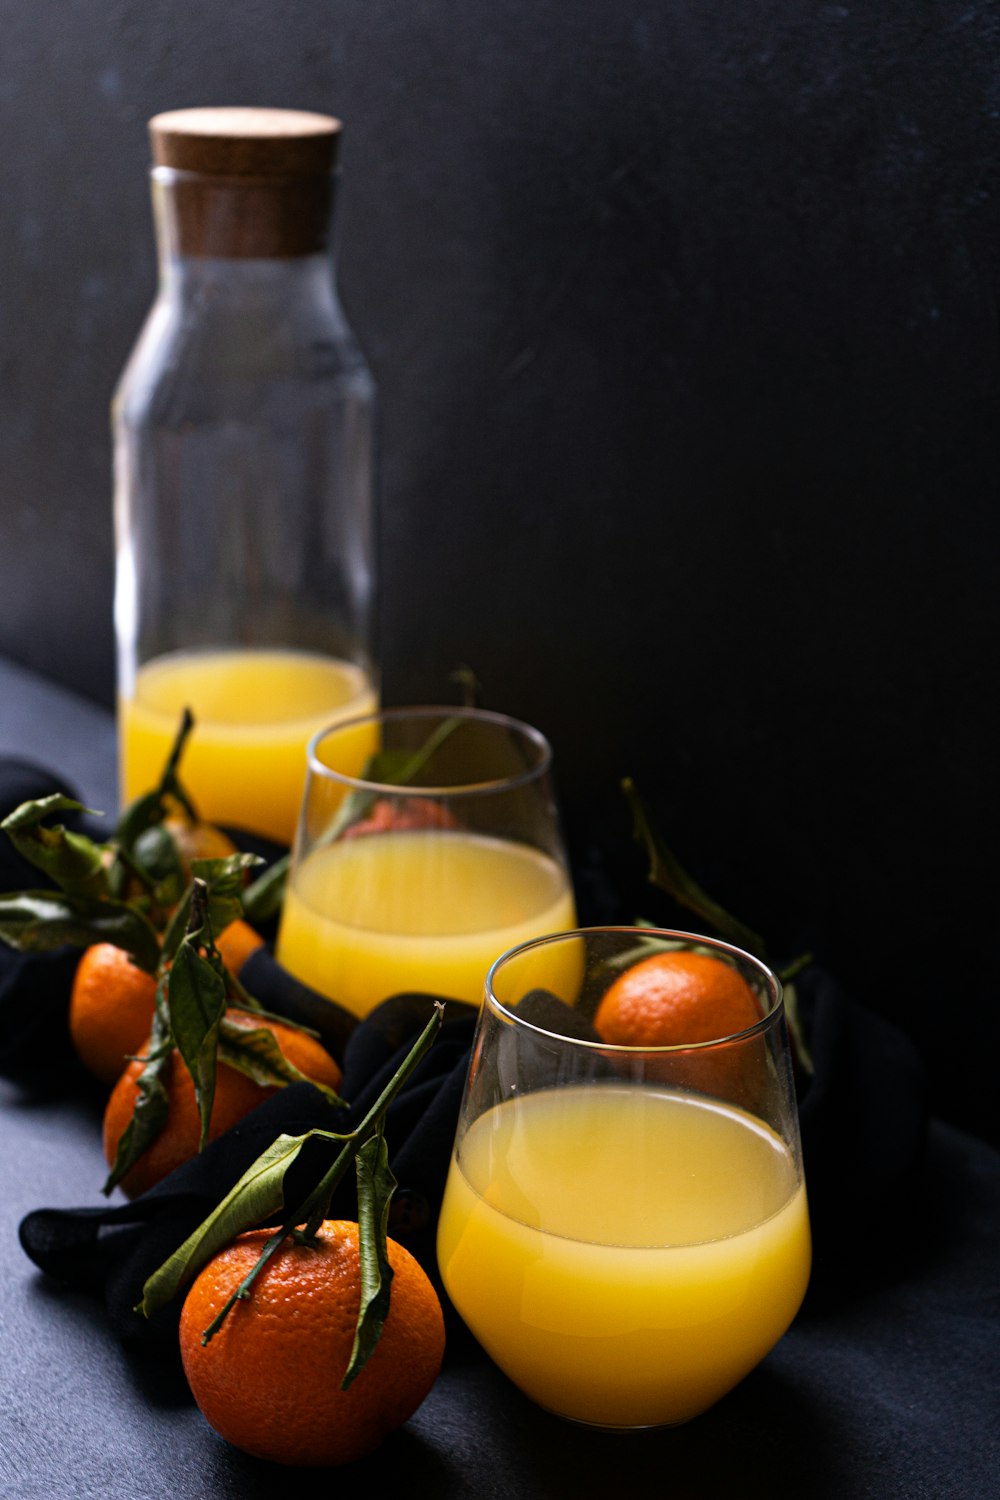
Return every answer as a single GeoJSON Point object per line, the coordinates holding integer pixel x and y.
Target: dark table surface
{"type": "Point", "coordinates": [890, 1392]}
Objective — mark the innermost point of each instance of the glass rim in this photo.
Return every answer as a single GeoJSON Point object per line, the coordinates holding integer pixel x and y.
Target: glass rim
{"type": "Point", "coordinates": [767, 974]}
{"type": "Point", "coordinates": [526, 731]}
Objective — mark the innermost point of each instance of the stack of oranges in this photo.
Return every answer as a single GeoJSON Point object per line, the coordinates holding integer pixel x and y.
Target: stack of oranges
{"type": "Point", "coordinates": [294, 1373]}
{"type": "Point", "coordinates": [111, 1002]}
{"type": "Point", "coordinates": [111, 1015]}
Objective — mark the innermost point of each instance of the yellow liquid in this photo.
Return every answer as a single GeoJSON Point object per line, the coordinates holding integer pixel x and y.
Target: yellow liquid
{"type": "Point", "coordinates": [255, 712]}
{"type": "Point", "coordinates": [386, 913]}
{"type": "Point", "coordinates": [625, 1255]}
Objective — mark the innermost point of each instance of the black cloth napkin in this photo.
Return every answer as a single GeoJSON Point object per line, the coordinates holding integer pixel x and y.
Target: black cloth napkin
{"type": "Point", "coordinates": [863, 1117]}
{"type": "Point", "coordinates": [112, 1249]}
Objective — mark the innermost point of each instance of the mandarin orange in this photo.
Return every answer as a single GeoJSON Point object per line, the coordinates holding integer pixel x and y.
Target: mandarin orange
{"type": "Point", "coordinates": [675, 997]}
{"type": "Point", "coordinates": [402, 815]}
{"type": "Point", "coordinates": [678, 997]}
{"type": "Point", "coordinates": [269, 1380]}
{"type": "Point", "coordinates": [235, 1096]}
{"type": "Point", "coordinates": [110, 1010]}
{"type": "Point", "coordinates": [236, 943]}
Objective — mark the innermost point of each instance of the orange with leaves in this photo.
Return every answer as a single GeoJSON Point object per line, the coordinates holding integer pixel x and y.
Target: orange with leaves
{"type": "Point", "coordinates": [111, 1001]}
{"type": "Point", "coordinates": [235, 1096]}
{"type": "Point", "coordinates": [269, 1381]}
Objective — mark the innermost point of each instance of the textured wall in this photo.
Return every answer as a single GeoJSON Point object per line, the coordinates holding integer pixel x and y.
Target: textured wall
{"type": "Point", "coordinates": [685, 322]}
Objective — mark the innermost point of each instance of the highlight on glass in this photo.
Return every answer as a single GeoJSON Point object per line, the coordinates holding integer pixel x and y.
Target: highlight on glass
{"type": "Point", "coordinates": [624, 1227]}
{"type": "Point", "coordinates": [427, 845]}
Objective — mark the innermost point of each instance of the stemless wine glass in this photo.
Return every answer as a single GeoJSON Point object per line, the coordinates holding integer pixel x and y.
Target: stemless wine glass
{"type": "Point", "coordinates": [428, 844]}
{"type": "Point", "coordinates": [623, 1229]}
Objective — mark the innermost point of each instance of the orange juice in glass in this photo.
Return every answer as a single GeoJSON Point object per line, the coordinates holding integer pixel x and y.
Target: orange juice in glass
{"type": "Point", "coordinates": [255, 712]}
{"type": "Point", "coordinates": [420, 883]}
{"type": "Point", "coordinates": [625, 1240]}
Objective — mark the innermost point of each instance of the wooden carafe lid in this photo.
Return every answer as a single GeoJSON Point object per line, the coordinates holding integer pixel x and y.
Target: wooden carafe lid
{"type": "Point", "coordinates": [246, 183]}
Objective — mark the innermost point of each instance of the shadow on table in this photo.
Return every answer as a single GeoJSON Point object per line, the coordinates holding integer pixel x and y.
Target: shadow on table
{"type": "Point", "coordinates": [483, 1441]}
{"type": "Point", "coordinates": [764, 1440]}
{"type": "Point", "coordinates": [476, 1436]}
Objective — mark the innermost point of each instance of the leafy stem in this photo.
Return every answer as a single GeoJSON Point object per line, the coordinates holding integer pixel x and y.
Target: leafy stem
{"type": "Point", "coordinates": [263, 897]}
{"type": "Point", "coordinates": [258, 1197]}
{"type": "Point", "coordinates": [152, 808]}
{"type": "Point", "coordinates": [119, 891]}
{"type": "Point", "coordinates": [192, 1013]}
{"type": "Point", "coordinates": [668, 874]}
{"type": "Point", "coordinates": [468, 685]}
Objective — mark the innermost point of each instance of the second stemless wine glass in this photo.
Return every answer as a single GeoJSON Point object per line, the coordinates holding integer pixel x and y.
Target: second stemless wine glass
{"type": "Point", "coordinates": [417, 872]}
{"type": "Point", "coordinates": [624, 1229]}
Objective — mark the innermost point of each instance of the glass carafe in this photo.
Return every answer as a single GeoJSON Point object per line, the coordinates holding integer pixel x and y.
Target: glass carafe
{"type": "Point", "coordinates": [244, 472]}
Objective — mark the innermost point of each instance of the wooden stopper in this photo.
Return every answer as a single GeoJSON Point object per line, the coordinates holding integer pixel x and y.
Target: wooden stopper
{"type": "Point", "coordinates": [246, 142]}
{"type": "Point", "coordinates": [245, 183]}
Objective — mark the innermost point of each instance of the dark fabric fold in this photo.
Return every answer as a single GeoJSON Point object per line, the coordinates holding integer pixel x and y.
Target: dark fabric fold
{"type": "Point", "coordinates": [863, 1116]}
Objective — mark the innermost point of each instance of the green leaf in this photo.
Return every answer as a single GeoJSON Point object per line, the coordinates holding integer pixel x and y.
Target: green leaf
{"type": "Point", "coordinates": [643, 947]}
{"type": "Point", "coordinates": [376, 1185]}
{"type": "Point", "coordinates": [223, 880]}
{"type": "Point", "coordinates": [197, 996]}
{"type": "Point", "coordinates": [145, 812]}
{"type": "Point", "coordinates": [123, 870]}
{"type": "Point", "coordinates": [39, 921]}
{"type": "Point", "coordinates": [30, 814]}
{"type": "Point", "coordinates": [151, 1107]}
{"type": "Point", "coordinates": [177, 927]}
{"type": "Point", "coordinates": [74, 862]}
{"type": "Point", "coordinates": [152, 807]}
{"type": "Point", "coordinates": [257, 1197]}
{"type": "Point", "coordinates": [262, 900]}
{"type": "Point", "coordinates": [668, 874]}
{"type": "Point", "coordinates": [156, 854]}
{"type": "Point", "coordinates": [254, 1050]}
{"type": "Point", "coordinates": [170, 782]}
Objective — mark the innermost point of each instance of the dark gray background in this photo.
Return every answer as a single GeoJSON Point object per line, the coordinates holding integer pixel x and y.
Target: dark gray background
{"type": "Point", "coordinates": [684, 317]}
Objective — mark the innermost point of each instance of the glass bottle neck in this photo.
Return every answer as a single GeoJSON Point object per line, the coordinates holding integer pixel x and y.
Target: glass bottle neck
{"type": "Point", "coordinates": [245, 283]}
